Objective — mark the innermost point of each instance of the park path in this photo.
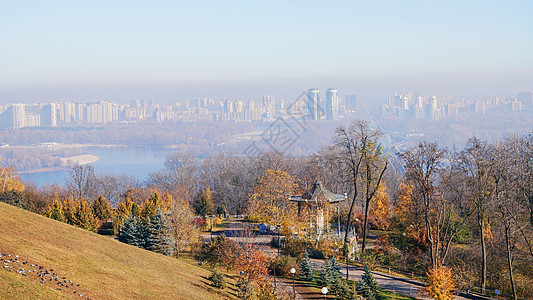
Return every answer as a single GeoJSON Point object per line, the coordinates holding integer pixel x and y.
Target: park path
{"type": "Point", "coordinates": [237, 231]}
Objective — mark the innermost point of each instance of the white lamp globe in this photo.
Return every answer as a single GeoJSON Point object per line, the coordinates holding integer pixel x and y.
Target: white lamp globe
{"type": "Point", "coordinates": [324, 290]}
{"type": "Point", "coordinates": [293, 270]}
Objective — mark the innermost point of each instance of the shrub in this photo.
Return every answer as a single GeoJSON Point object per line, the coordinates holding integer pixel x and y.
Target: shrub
{"type": "Point", "coordinates": [218, 279]}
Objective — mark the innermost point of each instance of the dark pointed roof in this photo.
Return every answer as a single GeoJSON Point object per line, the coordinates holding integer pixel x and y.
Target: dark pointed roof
{"type": "Point", "coordinates": [317, 193]}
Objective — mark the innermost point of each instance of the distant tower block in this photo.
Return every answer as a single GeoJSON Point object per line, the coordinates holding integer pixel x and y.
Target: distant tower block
{"type": "Point", "coordinates": [332, 104]}
{"type": "Point", "coordinates": [313, 98]}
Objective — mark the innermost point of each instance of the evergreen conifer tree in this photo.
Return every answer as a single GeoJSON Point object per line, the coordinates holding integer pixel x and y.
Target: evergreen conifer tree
{"type": "Point", "coordinates": [158, 237]}
{"type": "Point", "coordinates": [340, 289]}
{"type": "Point", "coordinates": [131, 233]}
{"type": "Point", "coordinates": [335, 267]}
{"type": "Point", "coordinates": [368, 286]}
{"type": "Point", "coordinates": [325, 277]}
{"type": "Point", "coordinates": [306, 269]}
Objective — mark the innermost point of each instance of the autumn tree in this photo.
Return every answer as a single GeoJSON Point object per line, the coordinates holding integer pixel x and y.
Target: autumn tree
{"type": "Point", "coordinates": [269, 202]}
{"type": "Point", "coordinates": [83, 217]}
{"type": "Point", "coordinates": [69, 210]}
{"type": "Point", "coordinates": [9, 180]}
{"type": "Point", "coordinates": [253, 262]}
{"type": "Point", "coordinates": [380, 207]}
{"type": "Point", "coordinates": [183, 230]}
{"type": "Point", "coordinates": [102, 209]}
{"type": "Point", "coordinates": [361, 156]}
{"type": "Point", "coordinates": [374, 165]}
{"type": "Point", "coordinates": [476, 165]}
{"type": "Point", "coordinates": [55, 210]}
{"type": "Point", "coordinates": [124, 210]}
{"type": "Point", "coordinates": [151, 205]}
{"type": "Point", "coordinates": [441, 284]}
{"type": "Point", "coordinates": [82, 183]}
{"type": "Point", "coordinates": [203, 205]}
{"type": "Point", "coordinates": [424, 166]}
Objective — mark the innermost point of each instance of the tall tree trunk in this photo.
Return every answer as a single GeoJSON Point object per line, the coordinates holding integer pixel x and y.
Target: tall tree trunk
{"type": "Point", "coordinates": [348, 220]}
{"type": "Point", "coordinates": [481, 224]}
{"type": "Point", "coordinates": [510, 261]}
{"type": "Point", "coordinates": [365, 227]}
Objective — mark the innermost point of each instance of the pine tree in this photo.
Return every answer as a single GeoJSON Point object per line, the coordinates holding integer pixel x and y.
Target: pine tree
{"type": "Point", "coordinates": [131, 233]}
{"type": "Point", "coordinates": [306, 269]}
{"type": "Point", "coordinates": [158, 236]}
{"type": "Point", "coordinates": [326, 277]}
{"type": "Point", "coordinates": [340, 289]}
{"type": "Point", "coordinates": [368, 286]}
{"type": "Point", "coordinates": [335, 267]}
{"type": "Point", "coordinates": [102, 209]}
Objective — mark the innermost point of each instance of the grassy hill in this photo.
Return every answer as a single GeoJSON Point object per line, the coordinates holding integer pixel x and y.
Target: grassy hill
{"type": "Point", "coordinates": [104, 268]}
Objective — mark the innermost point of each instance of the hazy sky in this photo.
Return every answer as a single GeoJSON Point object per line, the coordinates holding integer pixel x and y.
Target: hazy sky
{"type": "Point", "coordinates": [171, 50]}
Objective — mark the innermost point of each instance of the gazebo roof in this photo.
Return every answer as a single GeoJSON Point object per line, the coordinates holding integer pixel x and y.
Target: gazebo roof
{"type": "Point", "coordinates": [317, 193]}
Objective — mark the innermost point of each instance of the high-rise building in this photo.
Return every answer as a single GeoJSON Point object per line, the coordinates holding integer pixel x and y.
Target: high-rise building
{"type": "Point", "coordinates": [49, 115]}
{"type": "Point", "coordinates": [269, 105]}
{"type": "Point", "coordinates": [15, 116]}
{"type": "Point", "coordinates": [228, 106]}
{"type": "Point", "coordinates": [313, 98]}
{"type": "Point", "coordinates": [526, 98]}
{"type": "Point", "coordinates": [332, 104]}
{"type": "Point", "coordinates": [351, 102]}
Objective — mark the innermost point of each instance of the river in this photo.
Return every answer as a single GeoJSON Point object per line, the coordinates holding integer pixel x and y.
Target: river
{"type": "Point", "coordinates": [130, 161]}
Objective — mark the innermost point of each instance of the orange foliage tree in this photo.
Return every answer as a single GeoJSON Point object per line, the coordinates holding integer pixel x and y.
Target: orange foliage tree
{"type": "Point", "coordinates": [253, 262]}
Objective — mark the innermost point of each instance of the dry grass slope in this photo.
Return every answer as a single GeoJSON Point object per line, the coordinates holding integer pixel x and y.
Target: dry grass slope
{"type": "Point", "coordinates": [105, 268]}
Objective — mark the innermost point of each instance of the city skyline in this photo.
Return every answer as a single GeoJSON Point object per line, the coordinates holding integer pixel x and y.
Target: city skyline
{"type": "Point", "coordinates": [169, 51]}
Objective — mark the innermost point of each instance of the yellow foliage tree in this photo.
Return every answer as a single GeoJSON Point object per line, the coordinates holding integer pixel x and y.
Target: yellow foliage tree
{"type": "Point", "coordinates": [124, 209]}
{"type": "Point", "coordinates": [150, 206]}
{"type": "Point", "coordinates": [102, 209]}
{"type": "Point", "coordinates": [440, 284]}
{"type": "Point", "coordinates": [380, 206]}
{"type": "Point", "coordinates": [69, 210]}
{"type": "Point", "coordinates": [9, 180]}
{"type": "Point", "coordinates": [55, 210]}
{"type": "Point", "coordinates": [404, 205]}
{"type": "Point", "coordinates": [269, 201]}
{"type": "Point", "coordinates": [83, 216]}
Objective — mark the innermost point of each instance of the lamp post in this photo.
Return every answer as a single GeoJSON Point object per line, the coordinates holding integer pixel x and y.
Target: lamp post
{"type": "Point", "coordinates": [324, 291]}
{"type": "Point", "coordinates": [293, 271]}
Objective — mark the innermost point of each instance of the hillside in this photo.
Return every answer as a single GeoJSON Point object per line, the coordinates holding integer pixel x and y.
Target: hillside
{"type": "Point", "coordinates": [103, 268]}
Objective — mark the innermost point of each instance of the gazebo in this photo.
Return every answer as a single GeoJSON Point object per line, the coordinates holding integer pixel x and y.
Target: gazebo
{"type": "Point", "coordinates": [318, 199]}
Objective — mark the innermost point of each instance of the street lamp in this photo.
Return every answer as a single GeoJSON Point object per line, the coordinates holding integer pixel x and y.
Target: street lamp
{"type": "Point", "coordinates": [324, 291]}
{"type": "Point", "coordinates": [293, 271]}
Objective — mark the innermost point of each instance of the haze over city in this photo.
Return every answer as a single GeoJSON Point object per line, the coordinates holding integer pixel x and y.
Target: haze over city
{"type": "Point", "coordinates": [170, 51]}
{"type": "Point", "coordinates": [266, 150]}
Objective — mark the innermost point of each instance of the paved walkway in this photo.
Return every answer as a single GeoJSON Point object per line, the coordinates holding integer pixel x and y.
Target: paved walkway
{"type": "Point", "coordinates": [237, 231]}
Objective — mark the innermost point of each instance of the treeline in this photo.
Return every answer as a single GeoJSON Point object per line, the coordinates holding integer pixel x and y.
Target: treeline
{"type": "Point", "coordinates": [24, 159]}
{"type": "Point", "coordinates": [138, 134]}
